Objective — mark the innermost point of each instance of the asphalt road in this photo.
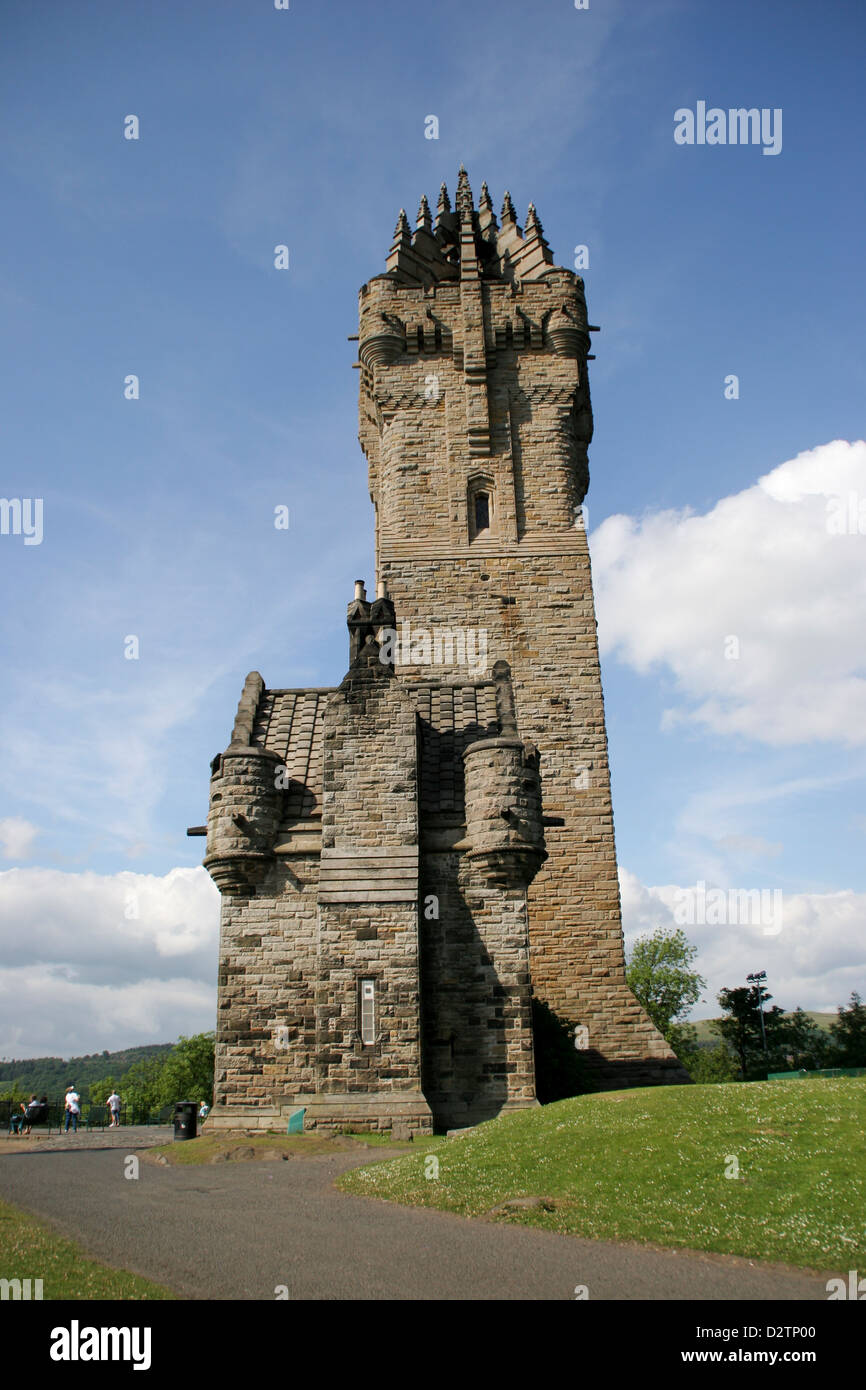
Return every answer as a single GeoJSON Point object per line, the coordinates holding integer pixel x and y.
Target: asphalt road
{"type": "Point", "coordinates": [240, 1230]}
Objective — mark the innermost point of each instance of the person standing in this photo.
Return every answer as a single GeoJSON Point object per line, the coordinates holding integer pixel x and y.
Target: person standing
{"type": "Point", "coordinates": [204, 1110]}
{"type": "Point", "coordinates": [113, 1104]}
{"type": "Point", "coordinates": [73, 1109]}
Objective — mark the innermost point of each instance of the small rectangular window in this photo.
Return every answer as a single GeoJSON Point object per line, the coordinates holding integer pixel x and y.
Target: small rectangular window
{"type": "Point", "coordinates": [368, 1012]}
{"type": "Point", "coordinates": [482, 511]}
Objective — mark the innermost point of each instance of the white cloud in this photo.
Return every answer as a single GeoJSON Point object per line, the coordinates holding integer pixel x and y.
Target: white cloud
{"type": "Point", "coordinates": [16, 837]}
{"type": "Point", "coordinates": [93, 962]}
{"type": "Point", "coordinates": [815, 960]}
{"type": "Point", "coordinates": [763, 567]}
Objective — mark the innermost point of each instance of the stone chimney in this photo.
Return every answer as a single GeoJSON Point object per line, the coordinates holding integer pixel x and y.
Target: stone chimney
{"type": "Point", "coordinates": [358, 622]}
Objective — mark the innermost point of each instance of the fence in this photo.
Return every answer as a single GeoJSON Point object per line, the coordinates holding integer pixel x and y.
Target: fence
{"type": "Point", "coordinates": [91, 1117]}
{"type": "Point", "coordinates": [828, 1071]}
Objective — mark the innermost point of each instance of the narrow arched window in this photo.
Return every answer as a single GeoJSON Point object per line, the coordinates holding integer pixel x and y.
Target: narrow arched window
{"type": "Point", "coordinates": [481, 507]}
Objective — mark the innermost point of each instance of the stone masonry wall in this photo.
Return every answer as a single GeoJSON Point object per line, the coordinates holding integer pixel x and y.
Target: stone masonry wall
{"type": "Point", "coordinates": [376, 941]}
{"type": "Point", "coordinates": [527, 584]}
{"type": "Point", "coordinates": [267, 983]}
{"type": "Point", "coordinates": [368, 902]}
{"type": "Point", "coordinates": [477, 1026]}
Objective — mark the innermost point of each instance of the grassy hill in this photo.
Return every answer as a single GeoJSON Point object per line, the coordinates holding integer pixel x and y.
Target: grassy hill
{"type": "Point", "coordinates": [708, 1038]}
{"type": "Point", "coordinates": [654, 1164]}
{"type": "Point", "coordinates": [51, 1075]}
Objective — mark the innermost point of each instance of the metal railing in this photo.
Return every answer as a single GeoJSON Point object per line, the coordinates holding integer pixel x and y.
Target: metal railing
{"type": "Point", "coordinates": [92, 1117]}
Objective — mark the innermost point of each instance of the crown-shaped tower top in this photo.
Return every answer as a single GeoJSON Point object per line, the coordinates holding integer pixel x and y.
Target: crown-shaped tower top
{"type": "Point", "coordinates": [467, 243]}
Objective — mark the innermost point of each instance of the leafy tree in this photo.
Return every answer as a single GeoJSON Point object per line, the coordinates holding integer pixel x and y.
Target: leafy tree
{"type": "Point", "coordinates": [711, 1064]}
{"type": "Point", "coordinates": [703, 1064]}
{"type": "Point", "coordinates": [660, 977]}
{"type": "Point", "coordinates": [141, 1087]}
{"type": "Point", "coordinates": [187, 1073]}
{"type": "Point", "coordinates": [14, 1093]}
{"type": "Point", "coordinates": [101, 1090]}
{"type": "Point", "coordinates": [742, 1030]}
{"type": "Point", "coordinates": [807, 1046]}
{"type": "Point", "coordinates": [51, 1075]}
{"type": "Point", "coordinates": [849, 1034]}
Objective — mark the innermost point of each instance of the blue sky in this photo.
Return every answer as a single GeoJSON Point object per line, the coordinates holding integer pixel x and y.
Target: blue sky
{"type": "Point", "coordinates": [155, 257]}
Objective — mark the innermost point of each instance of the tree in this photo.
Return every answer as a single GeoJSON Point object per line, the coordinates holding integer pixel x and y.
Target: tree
{"type": "Point", "coordinates": [187, 1073]}
{"type": "Point", "coordinates": [849, 1034]}
{"type": "Point", "coordinates": [101, 1090]}
{"type": "Point", "coordinates": [140, 1087]}
{"type": "Point", "coordinates": [808, 1046]}
{"type": "Point", "coordinates": [711, 1064]}
{"type": "Point", "coordinates": [703, 1064]}
{"type": "Point", "coordinates": [659, 976]}
{"type": "Point", "coordinates": [744, 1032]}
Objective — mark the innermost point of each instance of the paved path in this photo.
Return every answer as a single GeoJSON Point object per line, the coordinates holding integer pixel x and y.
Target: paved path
{"type": "Point", "coordinates": [237, 1231]}
{"type": "Point", "coordinates": [126, 1137]}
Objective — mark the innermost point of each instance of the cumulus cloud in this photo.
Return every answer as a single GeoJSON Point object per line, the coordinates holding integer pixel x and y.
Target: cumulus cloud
{"type": "Point", "coordinates": [16, 837]}
{"type": "Point", "coordinates": [757, 607]}
{"type": "Point", "coordinates": [93, 962]}
{"type": "Point", "coordinates": [813, 948]}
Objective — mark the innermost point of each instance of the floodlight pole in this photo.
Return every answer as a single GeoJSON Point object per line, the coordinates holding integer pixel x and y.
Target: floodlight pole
{"type": "Point", "coordinates": [758, 978]}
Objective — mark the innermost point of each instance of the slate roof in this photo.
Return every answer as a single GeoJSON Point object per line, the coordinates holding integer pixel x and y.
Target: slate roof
{"type": "Point", "coordinates": [452, 716]}
{"type": "Point", "coordinates": [291, 722]}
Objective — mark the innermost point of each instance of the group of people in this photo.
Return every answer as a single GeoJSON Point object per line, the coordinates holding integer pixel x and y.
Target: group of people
{"type": "Point", "coordinates": [73, 1109]}
{"type": "Point", "coordinates": [36, 1110]}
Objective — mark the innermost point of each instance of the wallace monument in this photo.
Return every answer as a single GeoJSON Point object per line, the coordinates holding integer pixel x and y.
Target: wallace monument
{"type": "Point", "coordinates": [407, 859]}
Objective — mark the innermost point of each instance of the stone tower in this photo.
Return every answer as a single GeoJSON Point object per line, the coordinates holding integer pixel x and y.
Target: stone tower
{"type": "Point", "coordinates": [406, 859]}
{"type": "Point", "coordinates": [475, 418]}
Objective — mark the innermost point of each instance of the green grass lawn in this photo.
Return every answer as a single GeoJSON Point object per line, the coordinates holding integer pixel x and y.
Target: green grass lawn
{"type": "Point", "coordinates": [31, 1250]}
{"type": "Point", "coordinates": [649, 1166]}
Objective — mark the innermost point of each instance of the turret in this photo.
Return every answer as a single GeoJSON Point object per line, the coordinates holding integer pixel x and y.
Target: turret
{"type": "Point", "coordinates": [245, 804]}
{"type": "Point", "coordinates": [504, 834]}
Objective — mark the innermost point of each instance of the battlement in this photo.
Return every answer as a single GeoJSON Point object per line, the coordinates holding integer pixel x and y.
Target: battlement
{"type": "Point", "coordinates": [468, 242]}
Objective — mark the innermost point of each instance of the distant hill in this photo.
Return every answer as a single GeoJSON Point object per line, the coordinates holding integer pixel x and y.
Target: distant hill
{"type": "Point", "coordinates": [708, 1038]}
{"type": "Point", "coordinates": [51, 1075]}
